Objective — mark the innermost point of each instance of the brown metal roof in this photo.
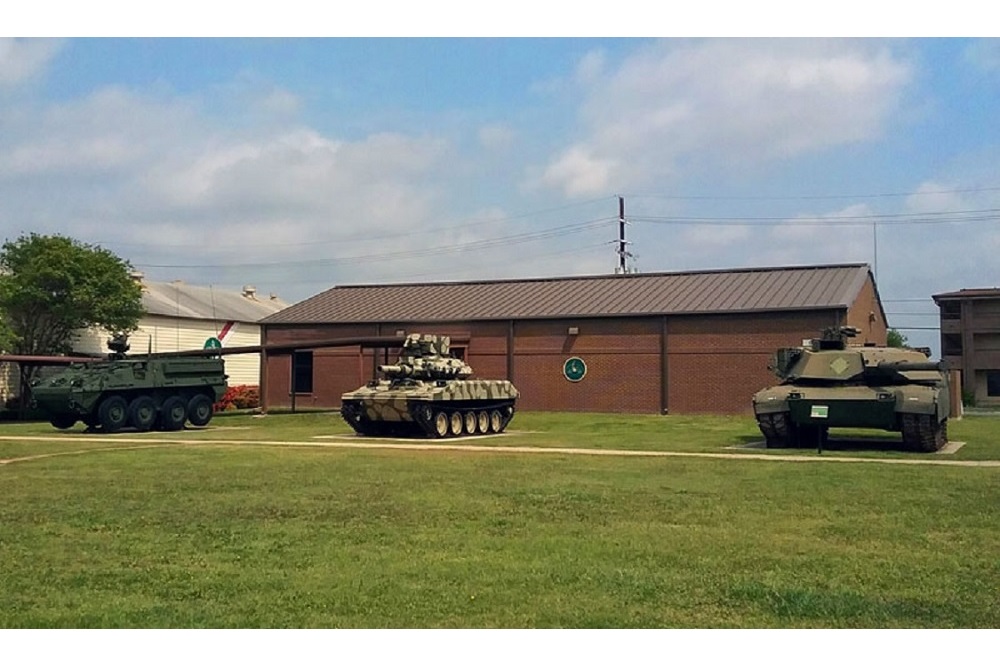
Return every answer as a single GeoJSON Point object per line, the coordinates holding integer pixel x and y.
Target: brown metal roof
{"type": "Point", "coordinates": [736, 290]}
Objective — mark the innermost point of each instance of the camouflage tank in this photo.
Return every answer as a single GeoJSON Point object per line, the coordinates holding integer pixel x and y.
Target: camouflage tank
{"type": "Point", "coordinates": [827, 383]}
{"type": "Point", "coordinates": [143, 392]}
{"type": "Point", "coordinates": [428, 393]}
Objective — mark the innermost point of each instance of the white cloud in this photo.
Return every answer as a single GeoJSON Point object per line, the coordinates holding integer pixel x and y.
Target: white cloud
{"type": "Point", "coordinates": [579, 173]}
{"type": "Point", "coordinates": [496, 137]}
{"type": "Point", "coordinates": [24, 59]}
{"type": "Point", "coordinates": [720, 104]}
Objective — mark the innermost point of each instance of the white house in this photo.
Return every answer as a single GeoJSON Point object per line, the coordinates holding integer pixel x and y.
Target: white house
{"type": "Point", "coordinates": [180, 316]}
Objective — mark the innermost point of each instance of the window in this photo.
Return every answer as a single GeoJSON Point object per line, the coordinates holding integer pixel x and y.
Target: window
{"type": "Point", "coordinates": [951, 310]}
{"type": "Point", "coordinates": [993, 383]}
{"type": "Point", "coordinates": [951, 345]}
{"type": "Point", "coordinates": [302, 371]}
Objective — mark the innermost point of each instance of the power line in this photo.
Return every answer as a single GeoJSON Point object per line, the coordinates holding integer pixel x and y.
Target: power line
{"type": "Point", "coordinates": [367, 235]}
{"type": "Point", "coordinates": [933, 218]}
{"type": "Point", "coordinates": [503, 241]}
{"type": "Point", "coordinates": [882, 195]}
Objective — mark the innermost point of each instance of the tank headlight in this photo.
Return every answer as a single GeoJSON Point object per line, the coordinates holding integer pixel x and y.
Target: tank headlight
{"type": "Point", "coordinates": [795, 395]}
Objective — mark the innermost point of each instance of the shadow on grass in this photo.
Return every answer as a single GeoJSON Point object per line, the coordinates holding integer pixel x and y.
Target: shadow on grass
{"type": "Point", "coordinates": [836, 443]}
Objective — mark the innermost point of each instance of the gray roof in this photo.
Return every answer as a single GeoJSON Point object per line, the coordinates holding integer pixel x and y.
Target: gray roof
{"type": "Point", "coordinates": [178, 299]}
{"type": "Point", "coordinates": [736, 290]}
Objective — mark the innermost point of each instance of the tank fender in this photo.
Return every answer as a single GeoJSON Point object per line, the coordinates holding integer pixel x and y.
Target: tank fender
{"type": "Point", "coordinates": [770, 400]}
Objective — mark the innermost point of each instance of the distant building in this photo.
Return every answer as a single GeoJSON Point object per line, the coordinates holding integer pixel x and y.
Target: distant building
{"type": "Point", "coordinates": [970, 340]}
{"type": "Point", "coordinates": [184, 317]}
{"type": "Point", "coordinates": [689, 342]}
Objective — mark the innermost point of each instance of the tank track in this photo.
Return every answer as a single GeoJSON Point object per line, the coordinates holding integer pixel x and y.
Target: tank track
{"type": "Point", "coordinates": [452, 421]}
{"type": "Point", "coordinates": [924, 433]}
{"type": "Point", "coordinates": [780, 431]}
{"type": "Point", "coordinates": [434, 420]}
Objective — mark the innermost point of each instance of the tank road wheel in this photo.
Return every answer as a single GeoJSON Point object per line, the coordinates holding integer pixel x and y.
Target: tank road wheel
{"type": "Point", "coordinates": [142, 413]}
{"type": "Point", "coordinates": [63, 422]}
{"type": "Point", "coordinates": [482, 422]}
{"type": "Point", "coordinates": [456, 423]}
{"type": "Point", "coordinates": [441, 425]}
{"type": "Point", "coordinates": [496, 421]}
{"type": "Point", "coordinates": [470, 422]}
{"type": "Point", "coordinates": [199, 410]}
{"type": "Point", "coordinates": [173, 414]}
{"type": "Point", "coordinates": [112, 414]}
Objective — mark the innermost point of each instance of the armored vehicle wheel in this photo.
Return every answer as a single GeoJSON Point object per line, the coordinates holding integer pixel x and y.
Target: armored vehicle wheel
{"type": "Point", "coordinates": [496, 421]}
{"type": "Point", "coordinates": [456, 423]}
{"type": "Point", "coordinates": [173, 414]}
{"type": "Point", "coordinates": [482, 422]}
{"type": "Point", "coordinates": [63, 421]}
{"type": "Point", "coordinates": [199, 410]}
{"type": "Point", "coordinates": [470, 422]}
{"type": "Point", "coordinates": [113, 414]}
{"type": "Point", "coordinates": [142, 413]}
{"type": "Point", "coordinates": [441, 425]}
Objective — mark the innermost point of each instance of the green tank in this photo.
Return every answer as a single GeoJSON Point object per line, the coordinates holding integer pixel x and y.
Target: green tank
{"type": "Point", "coordinates": [144, 392]}
{"type": "Point", "coordinates": [428, 393]}
{"type": "Point", "coordinates": [827, 383]}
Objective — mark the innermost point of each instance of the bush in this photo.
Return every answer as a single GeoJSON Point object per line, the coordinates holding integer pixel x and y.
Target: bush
{"type": "Point", "coordinates": [239, 397]}
{"type": "Point", "coordinates": [968, 399]}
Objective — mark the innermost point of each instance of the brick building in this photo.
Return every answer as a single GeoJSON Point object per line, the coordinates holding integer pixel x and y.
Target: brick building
{"type": "Point", "coordinates": [970, 340]}
{"type": "Point", "coordinates": [637, 343]}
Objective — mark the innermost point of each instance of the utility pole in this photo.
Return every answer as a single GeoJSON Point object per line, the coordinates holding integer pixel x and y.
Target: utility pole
{"type": "Point", "coordinates": [623, 254]}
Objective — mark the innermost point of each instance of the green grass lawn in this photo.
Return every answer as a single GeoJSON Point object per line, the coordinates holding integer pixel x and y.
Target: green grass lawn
{"type": "Point", "coordinates": [257, 535]}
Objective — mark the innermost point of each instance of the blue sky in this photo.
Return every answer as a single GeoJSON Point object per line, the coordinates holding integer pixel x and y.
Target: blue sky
{"type": "Point", "coordinates": [297, 164]}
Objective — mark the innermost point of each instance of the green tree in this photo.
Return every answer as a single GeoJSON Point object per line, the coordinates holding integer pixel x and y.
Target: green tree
{"type": "Point", "coordinates": [53, 286]}
{"type": "Point", "coordinates": [895, 339]}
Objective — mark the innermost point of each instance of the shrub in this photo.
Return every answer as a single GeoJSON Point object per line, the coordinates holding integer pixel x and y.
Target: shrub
{"type": "Point", "coordinates": [239, 397]}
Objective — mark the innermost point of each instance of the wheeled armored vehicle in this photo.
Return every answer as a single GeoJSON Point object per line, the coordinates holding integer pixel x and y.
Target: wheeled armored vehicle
{"type": "Point", "coordinates": [827, 383]}
{"type": "Point", "coordinates": [144, 392]}
{"type": "Point", "coordinates": [429, 393]}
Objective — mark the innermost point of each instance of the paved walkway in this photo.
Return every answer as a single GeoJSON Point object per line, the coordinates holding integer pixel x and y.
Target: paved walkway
{"type": "Point", "coordinates": [125, 442]}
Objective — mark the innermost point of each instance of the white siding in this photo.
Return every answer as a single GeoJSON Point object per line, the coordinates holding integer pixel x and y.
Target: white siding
{"type": "Point", "coordinates": [157, 333]}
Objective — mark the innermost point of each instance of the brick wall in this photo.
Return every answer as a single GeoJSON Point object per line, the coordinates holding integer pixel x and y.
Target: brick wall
{"type": "Point", "coordinates": [714, 363]}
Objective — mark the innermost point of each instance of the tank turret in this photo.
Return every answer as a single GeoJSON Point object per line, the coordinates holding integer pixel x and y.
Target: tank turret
{"type": "Point", "coordinates": [428, 392]}
{"type": "Point", "coordinates": [827, 382]}
{"type": "Point", "coordinates": [426, 358]}
{"type": "Point", "coordinates": [118, 344]}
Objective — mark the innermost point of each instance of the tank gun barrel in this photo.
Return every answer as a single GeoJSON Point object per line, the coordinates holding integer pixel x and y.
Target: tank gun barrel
{"type": "Point", "coordinates": [903, 366]}
{"type": "Point", "coordinates": [396, 370]}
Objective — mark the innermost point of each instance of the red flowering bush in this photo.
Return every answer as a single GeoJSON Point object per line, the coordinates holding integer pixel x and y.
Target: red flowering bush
{"type": "Point", "coordinates": [239, 397]}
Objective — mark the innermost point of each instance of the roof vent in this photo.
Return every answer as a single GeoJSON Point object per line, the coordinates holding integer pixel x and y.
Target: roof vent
{"type": "Point", "coordinates": [249, 291]}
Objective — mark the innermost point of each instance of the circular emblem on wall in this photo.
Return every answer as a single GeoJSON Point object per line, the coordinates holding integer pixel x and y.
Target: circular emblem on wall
{"type": "Point", "coordinates": [574, 369]}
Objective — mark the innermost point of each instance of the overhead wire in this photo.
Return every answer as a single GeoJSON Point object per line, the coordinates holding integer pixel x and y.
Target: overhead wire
{"type": "Point", "coordinates": [514, 239]}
